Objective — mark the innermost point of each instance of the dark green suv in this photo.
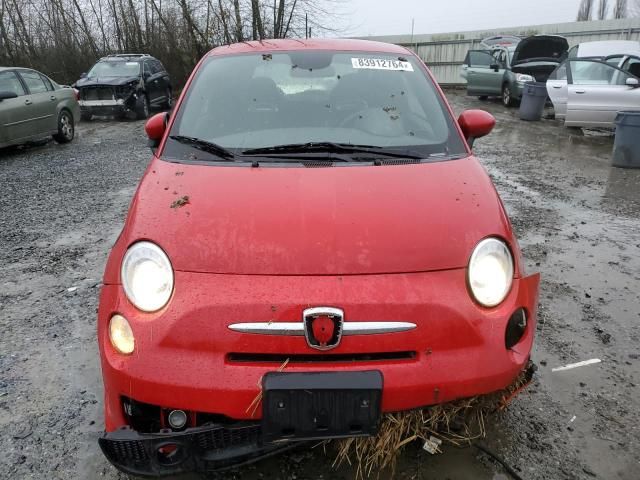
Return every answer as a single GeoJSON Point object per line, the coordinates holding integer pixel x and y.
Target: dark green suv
{"type": "Point", "coordinates": [502, 68]}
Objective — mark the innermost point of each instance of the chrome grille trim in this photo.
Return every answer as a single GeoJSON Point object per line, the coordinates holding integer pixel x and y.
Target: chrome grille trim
{"type": "Point", "coordinates": [296, 329]}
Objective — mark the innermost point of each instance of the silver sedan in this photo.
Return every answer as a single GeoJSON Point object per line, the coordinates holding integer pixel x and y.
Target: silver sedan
{"type": "Point", "coordinates": [34, 107]}
{"type": "Point", "coordinates": [589, 93]}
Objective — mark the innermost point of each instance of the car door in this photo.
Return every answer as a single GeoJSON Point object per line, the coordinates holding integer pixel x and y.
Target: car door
{"type": "Point", "coordinates": [597, 92]}
{"type": "Point", "coordinates": [165, 80]}
{"type": "Point", "coordinates": [558, 90]}
{"type": "Point", "coordinates": [153, 79]}
{"type": "Point", "coordinates": [482, 79]}
{"type": "Point", "coordinates": [15, 114]}
{"type": "Point", "coordinates": [42, 102]}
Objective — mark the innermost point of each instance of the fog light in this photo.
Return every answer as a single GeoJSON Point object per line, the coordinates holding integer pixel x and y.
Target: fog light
{"type": "Point", "coordinates": [177, 419]}
{"type": "Point", "coordinates": [516, 328]}
{"type": "Point", "coordinates": [121, 335]}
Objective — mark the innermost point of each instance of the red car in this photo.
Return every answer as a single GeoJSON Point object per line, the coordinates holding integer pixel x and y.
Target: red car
{"type": "Point", "coordinates": [312, 245]}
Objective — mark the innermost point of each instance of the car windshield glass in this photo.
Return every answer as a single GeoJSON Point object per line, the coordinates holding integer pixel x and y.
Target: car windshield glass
{"type": "Point", "coordinates": [256, 101]}
{"type": "Point", "coordinates": [115, 69]}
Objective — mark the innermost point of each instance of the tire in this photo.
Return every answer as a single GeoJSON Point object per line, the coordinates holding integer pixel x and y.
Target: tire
{"type": "Point", "coordinates": [507, 97]}
{"type": "Point", "coordinates": [482, 97]}
{"type": "Point", "coordinates": [86, 116]}
{"type": "Point", "coordinates": [142, 107]}
{"type": "Point", "coordinates": [66, 127]}
{"type": "Point", "coordinates": [169, 102]}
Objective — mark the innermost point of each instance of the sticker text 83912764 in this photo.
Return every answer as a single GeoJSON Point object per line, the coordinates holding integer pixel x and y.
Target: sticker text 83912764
{"type": "Point", "coordinates": [381, 64]}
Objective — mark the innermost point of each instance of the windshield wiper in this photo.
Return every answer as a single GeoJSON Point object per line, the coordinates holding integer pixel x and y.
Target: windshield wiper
{"type": "Point", "coordinates": [205, 146]}
{"type": "Point", "coordinates": [330, 147]}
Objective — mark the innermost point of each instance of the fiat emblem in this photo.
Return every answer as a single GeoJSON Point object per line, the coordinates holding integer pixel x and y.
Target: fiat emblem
{"type": "Point", "coordinates": [323, 327]}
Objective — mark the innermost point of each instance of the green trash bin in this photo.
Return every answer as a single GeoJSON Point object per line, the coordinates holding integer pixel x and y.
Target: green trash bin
{"type": "Point", "coordinates": [626, 147]}
{"type": "Point", "coordinates": [534, 96]}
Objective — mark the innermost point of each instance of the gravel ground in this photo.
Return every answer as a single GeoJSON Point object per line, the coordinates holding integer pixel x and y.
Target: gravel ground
{"type": "Point", "coordinates": [578, 221]}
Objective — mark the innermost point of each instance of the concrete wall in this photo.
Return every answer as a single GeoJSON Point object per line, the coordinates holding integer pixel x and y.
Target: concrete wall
{"type": "Point", "coordinates": [445, 52]}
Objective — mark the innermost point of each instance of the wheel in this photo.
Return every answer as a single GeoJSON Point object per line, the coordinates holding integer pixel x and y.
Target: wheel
{"type": "Point", "coordinates": [482, 97]}
{"type": "Point", "coordinates": [142, 107]}
{"type": "Point", "coordinates": [66, 128]}
{"type": "Point", "coordinates": [507, 98]}
{"type": "Point", "coordinates": [169, 102]}
{"type": "Point", "coordinates": [86, 116]}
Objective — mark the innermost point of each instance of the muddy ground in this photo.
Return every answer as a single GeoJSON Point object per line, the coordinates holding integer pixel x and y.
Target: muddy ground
{"type": "Point", "coordinates": [578, 221]}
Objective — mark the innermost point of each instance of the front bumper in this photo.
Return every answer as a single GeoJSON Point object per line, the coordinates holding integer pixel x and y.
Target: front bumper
{"type": "Point", "coordinates": [205, 449]}
{"type": "Point", "coordinates": [518, 89]}
{"type": "Point", "coordinates": [187, 358]}
{"type": "Point", "coordinates": [103, 107]}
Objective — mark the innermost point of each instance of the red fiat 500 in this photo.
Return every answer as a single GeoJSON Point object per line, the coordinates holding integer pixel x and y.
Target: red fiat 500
{"type": "Point", "coordinates": [312, 245]}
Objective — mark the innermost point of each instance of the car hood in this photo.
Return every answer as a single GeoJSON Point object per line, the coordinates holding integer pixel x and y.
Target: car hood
{"type": "Point", "coordinates": [101, 81]}
{"type": "Point", "coordinates": [540, 47]}
{"type": "Point", "coordinates": [314, 221]}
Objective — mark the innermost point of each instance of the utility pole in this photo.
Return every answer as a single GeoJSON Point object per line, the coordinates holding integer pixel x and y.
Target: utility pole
{"type": "Point", "coordinates": [306, 25]}
{"type": "Point", "coordinates": [413, 24]}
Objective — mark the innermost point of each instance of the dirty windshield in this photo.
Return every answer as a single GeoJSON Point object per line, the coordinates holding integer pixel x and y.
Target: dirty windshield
{"type": "Point", "coordinates": [115, 69]}
{"type": "Point", "coordinates": [258, 101]}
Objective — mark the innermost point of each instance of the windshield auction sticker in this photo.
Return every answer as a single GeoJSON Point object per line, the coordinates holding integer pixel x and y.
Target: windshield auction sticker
{"type": "Point", "coordinates": [381, 64]}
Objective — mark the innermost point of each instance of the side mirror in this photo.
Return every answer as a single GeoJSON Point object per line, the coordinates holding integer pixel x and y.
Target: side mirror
{"type": "Point", "coordinates": [494, 66]}
{"type": "Point", "coordinates": [83, 75]}
{"type": "Point", "coordinates": [633, 82]}
{"type": "Point", "coordinates": [476, 124]}
{"type": "Point", "coordinates": [6, 94]}
{"type": "Point", "coordinates": [155, 128]}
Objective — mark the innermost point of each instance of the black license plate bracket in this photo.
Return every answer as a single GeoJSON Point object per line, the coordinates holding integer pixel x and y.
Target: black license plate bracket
{"type": "Point", "coordinates": [320, 405]}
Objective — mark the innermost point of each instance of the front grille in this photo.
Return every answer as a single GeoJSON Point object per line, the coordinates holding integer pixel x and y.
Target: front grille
{"type": "Point", "coordinates": [227, 437]}
{"type": "Point", "coordinates": [97, 93]}
{"type": "Point", "coordinates": [319, 358]}
{"type": "Point", "coordinates": [126, 451]}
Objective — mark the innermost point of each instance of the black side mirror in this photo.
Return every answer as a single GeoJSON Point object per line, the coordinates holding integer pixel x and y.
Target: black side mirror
{"type": "Point", "coordinates": [494, 66]}
{"type": "Point", "coordinates": [83, 75]}
{"type": "Point", "coordinates": [6, 94]}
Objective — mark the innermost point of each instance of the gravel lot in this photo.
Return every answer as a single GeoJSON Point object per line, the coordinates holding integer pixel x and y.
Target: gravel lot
{"type": "Point", "coordinates": [578, 221]}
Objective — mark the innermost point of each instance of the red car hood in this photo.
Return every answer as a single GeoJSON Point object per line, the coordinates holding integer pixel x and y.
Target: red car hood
{"type": "Point", "coordinates": [316, 221]}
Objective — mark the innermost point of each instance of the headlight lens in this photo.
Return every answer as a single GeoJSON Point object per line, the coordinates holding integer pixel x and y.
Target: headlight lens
{"type": "Point", "coordinates": [147, 276]}
{"type": "Point", "coordinates": [490, 272]}
{"type": "Point", "coordinates": [121, 335]}
{"type": "Point", "coordinates": [521, 77]}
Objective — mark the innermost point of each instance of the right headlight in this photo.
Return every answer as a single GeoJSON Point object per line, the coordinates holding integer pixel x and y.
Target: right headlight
{"type": "Point", "coordinates": [522, 78]}
{"type": "Point", "coordinates": [490, 272]}
{"type": "Point", "coordinates": [147, 276]}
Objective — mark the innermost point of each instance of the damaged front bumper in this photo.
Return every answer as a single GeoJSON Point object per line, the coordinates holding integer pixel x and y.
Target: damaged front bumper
{"type": "Point", "coordinates": [203, 449]}
{"type": "Point", "coordinates": [216, 447]}
{"type": "Point", "coordinates": [107, 101]}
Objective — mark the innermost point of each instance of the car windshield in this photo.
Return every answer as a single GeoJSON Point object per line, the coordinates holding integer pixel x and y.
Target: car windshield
{"type": "Point", "coordinates": [257, 101]}
{"type": "Point", "coordinates": [117, 68]}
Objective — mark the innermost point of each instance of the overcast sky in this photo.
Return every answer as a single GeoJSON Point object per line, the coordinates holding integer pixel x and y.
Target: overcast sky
{"type": "Point", "coordinates": [393, 17]}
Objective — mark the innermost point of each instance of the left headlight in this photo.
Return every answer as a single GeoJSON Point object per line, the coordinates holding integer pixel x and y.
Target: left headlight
{"type": "Point", "coordinates": [147, 276]}
{"type": "Point", "coordinates": [490, 272]}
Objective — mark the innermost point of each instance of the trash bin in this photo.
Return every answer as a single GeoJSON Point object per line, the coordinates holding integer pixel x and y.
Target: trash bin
{"type": "Point", "coordinates": [534, 96]}
{"type": "Point", "coordinates": [626, 148]}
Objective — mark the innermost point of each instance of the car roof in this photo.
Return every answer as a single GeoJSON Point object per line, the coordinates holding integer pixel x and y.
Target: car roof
{"type": "Point", "coordinates": [604, 48]}
{"type": "Point", "coordinates": [341, 45]}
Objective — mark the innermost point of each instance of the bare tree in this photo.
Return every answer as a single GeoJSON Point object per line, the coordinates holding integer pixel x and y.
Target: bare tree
{"type": "Point", "coordinates": [620, 9]}
{"type": "Point", "coordinates": [65, 37]}
{"type": "Point", "coordinates": [603, 9]}
{"type": "Point", "coordinates": [584, 13]}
